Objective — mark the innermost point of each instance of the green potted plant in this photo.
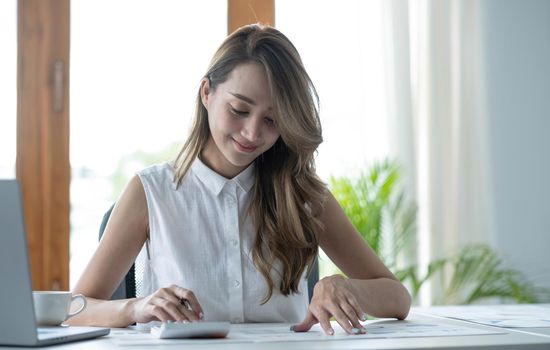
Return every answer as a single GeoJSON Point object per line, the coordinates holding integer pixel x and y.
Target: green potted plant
{"type": "Point", "coordinates": [385, 217]}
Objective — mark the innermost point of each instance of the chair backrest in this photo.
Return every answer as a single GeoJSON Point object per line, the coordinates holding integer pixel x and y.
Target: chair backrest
{"type": "Point", "coordinates": [127, 288]}
{"type": "Point", "coordinates": [313, 278]}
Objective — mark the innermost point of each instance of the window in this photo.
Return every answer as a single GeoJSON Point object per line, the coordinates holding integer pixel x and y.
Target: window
{"type": "Point", "coordinates": [342, 50]}
{"type": "Point", "coordinates": [341, 47]}
{"type": "Point", "coordinates": [8, 87]}
{"type": "Point", "coordinates": [135, 72]}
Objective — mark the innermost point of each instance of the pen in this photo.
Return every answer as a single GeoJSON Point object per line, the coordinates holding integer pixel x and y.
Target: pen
{"type": "Point", "coordinates": [185, 303]}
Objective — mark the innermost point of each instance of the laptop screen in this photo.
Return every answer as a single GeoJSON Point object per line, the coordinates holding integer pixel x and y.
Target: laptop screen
{"type": "Point", "coordinates": [17, 322]}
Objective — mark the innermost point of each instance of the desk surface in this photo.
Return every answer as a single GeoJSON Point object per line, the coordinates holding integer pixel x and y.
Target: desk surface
{"type": "Point", "coordinates": [506, 339]}
{"type": "Point", "coordinates": [536, 330]}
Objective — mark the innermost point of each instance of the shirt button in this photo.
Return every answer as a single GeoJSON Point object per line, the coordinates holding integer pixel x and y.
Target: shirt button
{"type": "Point", "coordinates": [234, 242]}
{"type": "Point", "coordinates": [230, 200]}
{"type": "Point", "coordinates": [236, 283]}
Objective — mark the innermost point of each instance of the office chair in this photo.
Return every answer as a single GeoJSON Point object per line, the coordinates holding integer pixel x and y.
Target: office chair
{"type": "Point", "coordinates": [127, 288]}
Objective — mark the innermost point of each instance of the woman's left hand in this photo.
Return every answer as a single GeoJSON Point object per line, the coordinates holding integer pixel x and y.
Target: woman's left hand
{"type": "Point", "coordinates": [332, 297]}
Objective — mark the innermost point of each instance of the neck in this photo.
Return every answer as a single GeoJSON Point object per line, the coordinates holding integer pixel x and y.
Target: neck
{"type": "Point", "coordinates": [212, 157]}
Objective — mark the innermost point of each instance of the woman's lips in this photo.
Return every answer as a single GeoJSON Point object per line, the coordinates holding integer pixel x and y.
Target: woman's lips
{"type": "Point", "coordinates": [243, 148]}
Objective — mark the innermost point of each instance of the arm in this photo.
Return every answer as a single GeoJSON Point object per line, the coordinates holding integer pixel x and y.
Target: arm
{"type": "Point", "coordinates": [371, 287]}
{"type": "Point", "coordinates": [124, 236]}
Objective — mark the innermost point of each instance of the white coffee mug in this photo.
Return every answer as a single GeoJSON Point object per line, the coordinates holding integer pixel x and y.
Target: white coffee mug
{"type": "Point", "coordinates": [52, 308]}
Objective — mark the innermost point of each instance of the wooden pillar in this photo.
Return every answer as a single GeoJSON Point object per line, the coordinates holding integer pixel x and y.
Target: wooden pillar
{"type": "Point", "coordinates": [43, 137]}
{"type": "Point", "coordinates": [243, 12]}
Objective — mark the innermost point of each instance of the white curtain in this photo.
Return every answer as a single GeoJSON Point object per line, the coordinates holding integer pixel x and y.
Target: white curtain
{"type": "Point", "coordinates": [436, 109]}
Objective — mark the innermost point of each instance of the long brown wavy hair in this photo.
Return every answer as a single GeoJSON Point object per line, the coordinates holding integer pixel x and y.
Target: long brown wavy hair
{"type": "Point", "coordinates": [287, 196]}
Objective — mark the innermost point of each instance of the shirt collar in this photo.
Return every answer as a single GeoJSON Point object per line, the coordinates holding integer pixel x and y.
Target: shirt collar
{"type": "Point", "coordinates": [215, 182]}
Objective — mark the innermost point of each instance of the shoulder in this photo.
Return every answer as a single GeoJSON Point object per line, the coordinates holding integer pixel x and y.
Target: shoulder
{"type": "Point", "coordinates": [158, 176]}
{"type": "Point", "coordinates": [335, 221]}
{"type": "Point", "coordinates": [134, 192]}
{"type": "Point", "coordinates": [131, 207]}
{"type": "Point", "coordinates": [330, 204]}
{"type": "Point", "coordinates": [157, 170]}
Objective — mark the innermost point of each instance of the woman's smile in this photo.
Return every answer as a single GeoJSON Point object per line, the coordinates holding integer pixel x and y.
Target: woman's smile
{"type": "Point", "coordinates": [244, 147]}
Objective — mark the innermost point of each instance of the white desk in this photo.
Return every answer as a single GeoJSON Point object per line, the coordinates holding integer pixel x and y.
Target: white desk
{"type": "Point", "coordinates": [528, 318]}
{"type": "Point", "coordinates": [508, 339]}
{"type": "Point", "coordinates": [536, 330]}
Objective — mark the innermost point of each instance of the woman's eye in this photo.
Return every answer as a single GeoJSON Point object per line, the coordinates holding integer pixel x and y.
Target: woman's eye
{"type": "Point", "coordinates": [238, 112]}
{"type": "Point", "coordinates": [269, 121]}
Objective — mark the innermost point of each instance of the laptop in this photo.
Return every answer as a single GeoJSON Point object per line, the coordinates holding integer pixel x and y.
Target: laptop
{"type": "Point", "coordinates": [17, 321]}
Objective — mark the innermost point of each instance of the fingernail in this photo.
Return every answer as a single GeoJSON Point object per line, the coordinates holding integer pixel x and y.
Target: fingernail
{"type": "Point", "coordinates": [363, 330]}
{"type": "Point", "coordinates": [330, 331]}
{"type": "Point", "coordinates": [364, 317]}
{"type": "Point", "coordinates": [355, 330]}
{"type": "Point", "coordinates": [201, 315]}
{"type": "Point", "coordinates": [292, 328]}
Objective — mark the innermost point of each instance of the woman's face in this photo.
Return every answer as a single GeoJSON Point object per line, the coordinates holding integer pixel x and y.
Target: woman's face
{"type": "Point", "coordinates": [240, 118]}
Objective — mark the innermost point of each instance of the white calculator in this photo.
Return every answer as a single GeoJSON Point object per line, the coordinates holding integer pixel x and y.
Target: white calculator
{"type": "Point", "coordinates": [176, 330]}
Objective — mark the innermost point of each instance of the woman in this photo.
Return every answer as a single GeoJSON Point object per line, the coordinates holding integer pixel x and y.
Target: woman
{"type": "Point", "coordinates": [231, 226]}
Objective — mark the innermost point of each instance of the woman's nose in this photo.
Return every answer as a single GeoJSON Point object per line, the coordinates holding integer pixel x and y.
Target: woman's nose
{"type": "Point", "coordinates": [252, 129]}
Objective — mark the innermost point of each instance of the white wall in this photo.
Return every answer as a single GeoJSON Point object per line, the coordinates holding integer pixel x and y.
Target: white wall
{"type": "Point", "coordinates": [517, 67]}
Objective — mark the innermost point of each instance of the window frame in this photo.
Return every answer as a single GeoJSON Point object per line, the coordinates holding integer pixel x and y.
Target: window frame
{"type": "Point", "coordinates": [42, 165]}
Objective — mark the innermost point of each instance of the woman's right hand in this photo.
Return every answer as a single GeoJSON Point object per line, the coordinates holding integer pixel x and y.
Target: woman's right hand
{"type": "Point", "coordinates": [173, 303]}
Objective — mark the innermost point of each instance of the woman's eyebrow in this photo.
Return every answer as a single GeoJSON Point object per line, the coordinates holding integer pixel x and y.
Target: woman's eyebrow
{"type": "Point", "coordinates": [244, 98]}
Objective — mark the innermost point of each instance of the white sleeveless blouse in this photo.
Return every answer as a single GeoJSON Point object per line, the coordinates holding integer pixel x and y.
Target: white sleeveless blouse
{"type": "Point", "coordinates": [201, 239]}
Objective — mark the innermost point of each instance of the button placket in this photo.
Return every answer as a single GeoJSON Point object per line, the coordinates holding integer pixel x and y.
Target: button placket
{"type": "Point", "coordinates": [233, 254]}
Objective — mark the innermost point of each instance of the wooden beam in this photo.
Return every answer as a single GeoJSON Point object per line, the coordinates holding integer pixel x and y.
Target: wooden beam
{"type": "Point", "coordinates": [43, 137]}
{"type": "Point", "coordinates": [243, 12]}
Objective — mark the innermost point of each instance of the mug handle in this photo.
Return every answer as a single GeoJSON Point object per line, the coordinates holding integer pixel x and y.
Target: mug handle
{"type": "Point", "coordinates": [84, 302]}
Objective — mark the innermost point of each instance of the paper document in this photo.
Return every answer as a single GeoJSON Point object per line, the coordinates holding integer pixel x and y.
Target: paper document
{"type": "Point", "coordinates": [280, 332]}
{"type": "Point", "coordinates": [507, 316]}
